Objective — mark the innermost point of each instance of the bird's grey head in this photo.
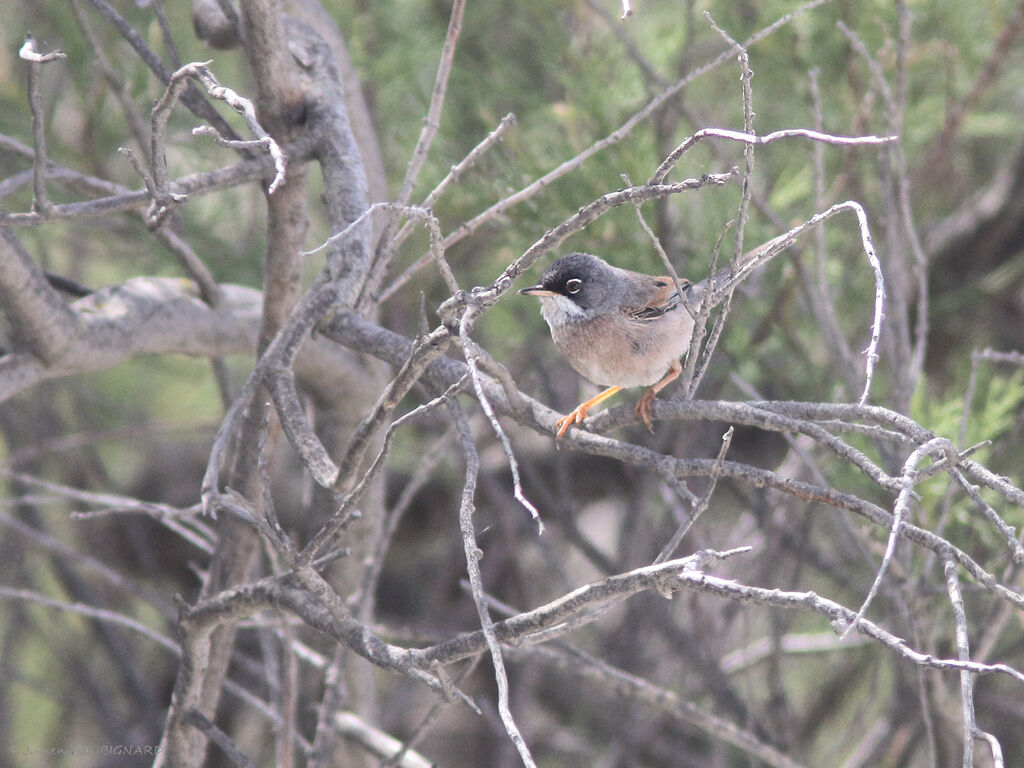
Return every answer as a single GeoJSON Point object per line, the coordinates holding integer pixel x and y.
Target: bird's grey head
{"type": "Point", "coordinates": [585, 280]}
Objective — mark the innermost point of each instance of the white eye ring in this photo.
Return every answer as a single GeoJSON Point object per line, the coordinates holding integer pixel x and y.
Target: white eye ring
{"type": "Point", "coordinates": [574, 285]}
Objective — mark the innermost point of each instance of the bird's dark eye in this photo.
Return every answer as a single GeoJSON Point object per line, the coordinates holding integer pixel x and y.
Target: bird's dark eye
{"type": "Point", "coordinates": [574, 285]}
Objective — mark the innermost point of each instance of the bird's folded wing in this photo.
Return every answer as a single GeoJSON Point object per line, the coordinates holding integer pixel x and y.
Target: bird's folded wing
{"type": "Point", "coordinates": [663, 298]}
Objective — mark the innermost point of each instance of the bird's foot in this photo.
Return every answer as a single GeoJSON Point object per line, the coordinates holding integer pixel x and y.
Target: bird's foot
{"type": "Point", "coordinates": [643, 408]}
{"type": "Point", "coordinates": [573, 417]}
{"type": "Point", "coordinates": [580, 413]}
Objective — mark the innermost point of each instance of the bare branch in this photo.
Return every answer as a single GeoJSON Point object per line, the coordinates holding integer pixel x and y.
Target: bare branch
{"type": "Point", "coordinates": [900, 509]}
{"type": "Point", "coordinates": [377, 742]}
{"type": "Point", "coordinates": [432, 197]}
{"type": "Point", "coordinates": [111, 617]}
{"type": "Point", "coordinates": [200, 72]}
{"type": "Point", "coordinates": [144, 315]}
{"type": "Point", "coordinates": [752, 140]}
{"type": "Point", "coordinates": [963, 651]}
{"type": "Point", "coordinates": [472, 354]}
{"type": "Point", "coordinates": [766, 251]}
{"type": "Point", "coordinates": [193, 184]}
{"type": "Point", "coordinates": [619, 683]}
{"type": "Point", "coordinates": [28, 52]}
{"type": "Point", "coordinates": [580, 602]}
{"type": "Point", "coordinates": [425, 350]}
{"type": "Point", "coordinates": [669, 549]}
{"type": "Point", "coordinates": [433, 119]}
{"type": "Point", "coordinates": [191, 98]}
{"type": "Point", "coordinates": [345, 508]}
{"type": "Point", "coordinates": [839, 616]}
{"type": "Point", "coordinates": [173, 518]}
{"type": "Point", "coordinates": [473, 554]}
{"type": "Point", "coordinates": [198, 720]}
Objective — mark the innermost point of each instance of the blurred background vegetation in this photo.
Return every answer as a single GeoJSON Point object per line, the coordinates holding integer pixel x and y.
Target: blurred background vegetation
{"type": "Point", "coordinates": [572, 73]}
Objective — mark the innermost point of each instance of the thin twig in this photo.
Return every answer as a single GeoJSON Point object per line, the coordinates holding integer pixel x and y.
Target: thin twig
{"type": "Point", "coordinates": [697, 363]}
{"type": "Point", "coordinates": [895, 107]}
{"type": "Point", "coordinates": [342, 516]}
{"type": "Point", "coordinates": [378, 743]}
{"type": "Point", "coordinates": [655, 241]}
{"type": "Point", "coordinates": [40, 201]}
{"type": "Point", "coordinates": [543, 623]}
{"type": "Point", "coordinates": [1016, 358]}
{"type": "Point", "coordinates": [963, 651]}
{"type": "Point", "coordinates": [473, 555]}
{"type": "Point", "coordinates": [200, 72]}
{"type": "Point", "coordinates": [393, 516]}
{"type": "Point", "coordinates": [821, 298]}
{"type": "Point", "coordinates": [993, 745]}
{"type": "Point", "coordinates": [398, 759]}
{"type": "Point", "coordinates": [198, 720]}
{"type": "Point", "coordinates": [471, 352]}
{"type": "Point", "coordinates": [746, 76]}
{"type": "Point", "coordinates": [189, 260]}
{"type": "Point", "coordinates": [121, 200]}
{"type": "Point", "coordinates": [99, 614]}
{"type": "Point", "coordinates": [425, 350]}
{"type": "Point", "coordinates": [840, 616]}
{"type": "Point", "coordinates": [191, 98]}
{"type": "Point", "coordinates": [908, 479]}
{"type": "Point", "coordinates": [173, 518]}
{"type": "Point", "coordinates": [673, 543]}
{"type": "Point", "coordinates": [166, 34]}
{"type": "Point", "coordinates": [62, 551]}
{"type": "Point", "coordinates": [621, 685]}
{"type": "Point", "coordinates": [139, 168]}
{"type": "Point", "coordinates": [162, 197]}
{"type": "Point", "coordinates": [389, 243]}
{"type": "Point", "coordinates": [786, 239]}
{"type": "Point", "coordinates": [752, 140]}
{"type": "Point", "coordinates": [432, 122]}
{"type": "Point", "coordinates": [1005, 529]}
{"type": "Point", "coordinates": [432, 197]}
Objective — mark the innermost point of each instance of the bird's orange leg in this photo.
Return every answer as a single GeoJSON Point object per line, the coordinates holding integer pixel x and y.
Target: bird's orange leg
{"type": "Point", "coordinates": [580, 412]}
{"type": "Point", "coordinates": [643, 405]}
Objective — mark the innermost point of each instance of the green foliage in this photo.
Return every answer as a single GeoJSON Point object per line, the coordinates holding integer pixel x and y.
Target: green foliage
{"type": "Point", "coordinates": [995, 409]}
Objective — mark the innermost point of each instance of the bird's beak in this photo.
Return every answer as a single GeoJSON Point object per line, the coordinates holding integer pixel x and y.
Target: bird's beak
{"type": "Point", "coordinates": [537, 290]}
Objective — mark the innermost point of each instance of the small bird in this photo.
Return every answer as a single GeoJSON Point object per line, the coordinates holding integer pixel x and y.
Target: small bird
{"type": "Point", "coordinates": [617, 328]}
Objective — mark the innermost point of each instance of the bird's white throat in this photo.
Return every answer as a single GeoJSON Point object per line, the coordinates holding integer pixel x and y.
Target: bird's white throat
{"type": "Point", "coordinates": [558, 310]}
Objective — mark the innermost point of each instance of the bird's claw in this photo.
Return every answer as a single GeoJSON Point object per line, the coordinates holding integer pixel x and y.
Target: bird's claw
{"type": "Point", "coordinates": [573, 417]}
{"type": "Point", "coordinates": [643, 409]}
